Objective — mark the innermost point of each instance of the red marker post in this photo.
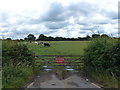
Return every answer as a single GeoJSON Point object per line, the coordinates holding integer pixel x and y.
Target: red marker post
{"type": "Point", "coordinates": [59, 60]}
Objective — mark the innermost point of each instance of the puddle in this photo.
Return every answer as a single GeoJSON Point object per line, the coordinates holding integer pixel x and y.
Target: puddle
{"type": "Point", "coordinates": [69, 66]}
{"type": "Point", "coordinates": [70, 69]}
{"type": "Point", "coordinates": [60, 72]}
{"type": "Point", "coordinates": [45, 66]}
{"type": "Point", "coordinates": [48, 69]}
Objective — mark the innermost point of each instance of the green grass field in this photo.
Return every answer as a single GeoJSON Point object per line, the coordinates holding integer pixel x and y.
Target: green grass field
{"type": "Point", "coordinates": [60, 48]}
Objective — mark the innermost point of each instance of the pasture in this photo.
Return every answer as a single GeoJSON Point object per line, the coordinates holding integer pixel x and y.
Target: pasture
{"type": "Point", "coordinates": [59, 48]}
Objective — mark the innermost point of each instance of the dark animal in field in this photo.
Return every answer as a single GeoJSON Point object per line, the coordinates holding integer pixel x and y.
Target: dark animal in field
{"type": "Point", "coordinates": [46, 44]}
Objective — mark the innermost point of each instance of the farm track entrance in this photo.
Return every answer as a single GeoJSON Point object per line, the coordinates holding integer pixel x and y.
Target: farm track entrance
{"type": "Point", "coordinates": [49, 62]}
{"type": "Point", "coordinates": [57, 74]}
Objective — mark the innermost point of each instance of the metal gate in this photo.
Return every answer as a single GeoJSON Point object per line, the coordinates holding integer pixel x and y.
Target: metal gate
{"type": "Point", "coordinates": [59, 62]}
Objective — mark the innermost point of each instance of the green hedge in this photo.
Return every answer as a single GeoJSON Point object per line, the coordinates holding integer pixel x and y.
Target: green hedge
{"type": "Point", "coordinates": [103, 55]}
{"type": "Point", "coordinates": [17, 62]}
{"type": "Point", "coordinates": [15, 51]}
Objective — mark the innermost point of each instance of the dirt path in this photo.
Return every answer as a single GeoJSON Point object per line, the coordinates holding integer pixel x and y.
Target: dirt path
{"type": "Point", "coordinates": [47, 79]}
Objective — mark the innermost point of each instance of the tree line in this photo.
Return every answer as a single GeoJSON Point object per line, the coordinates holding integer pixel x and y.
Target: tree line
{"type": "Point", "coordinates": [43, 37]}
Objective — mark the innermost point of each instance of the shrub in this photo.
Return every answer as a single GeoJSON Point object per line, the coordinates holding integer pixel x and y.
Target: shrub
{"type": "Point", "coordinates": [16, 76]}
{"type": "Point", "coordinates": [13, 50]}
{"type": "Point", "coordinates": [17, 62]}
{"type": "Point", "coordinates": [102, 55]}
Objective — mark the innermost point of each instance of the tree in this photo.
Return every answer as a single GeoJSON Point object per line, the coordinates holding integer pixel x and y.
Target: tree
{"type": "Point", "coordinates": [8, 39]}
{"type": "Point", "coordinates": [21, 40]}
{"type": "Point", "coordinates": [31, 37]}
{"type": "Point", "coordinates": [58, 38]}
{"type": "Point", "coordinates": [95, 35]}
{"type": "Point", "coordinates": [43, 37]}
{"type": "Point", "coordinates": [88, 37]}
{"type": "Point", "coordinates": [26, 38]}
{"type": "Point", "coordinates": [104, 35]}
{"type": "Point", "coordinates": [51, 38]}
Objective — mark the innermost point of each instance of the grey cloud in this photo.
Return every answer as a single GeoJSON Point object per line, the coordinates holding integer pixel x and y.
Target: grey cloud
{"type": "Point", "coordinates": [82, 8]}
{"type": "Point", "coordinates": [81, 23]}
{"type": "Point", "coordinates": [35, 21]}
{"type": "Point", "coordinates": [3, 16]}
{"type": "Point", "coordinates": [56, 25]}
{"type": "Point", "coordinates": [113, 15]}
{"type": "Point", "coordinates": [49, 32]}
{"type": "Point", "coordinates": [22, 31]}
{"type": "Point", "coordinates": [54, 12]}
{"type": "Point", "coordinates": [57, 12]}
{"type": "Point", "coordinates": [82, 32]}
{"type": "Point", "coordinates": [85, 27]}
{"type": "Point", "coordinates": [101, 22]}
{"type": "Point", "coordinates": [109, 13]}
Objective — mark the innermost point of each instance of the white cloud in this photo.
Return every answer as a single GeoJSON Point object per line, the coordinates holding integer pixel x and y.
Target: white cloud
{"type": "Point", "coordinates": [67, 18]}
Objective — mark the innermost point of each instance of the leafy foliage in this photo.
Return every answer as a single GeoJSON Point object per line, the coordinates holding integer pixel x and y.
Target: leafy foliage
{"type": "Point", "coordinates": [12, 50]}
{"type": "Point", "coordinates": [31, 37]}
{"type": "Point", "coordinates": [16, 76]}
{"type": "Point", "coordinates": [17, 64]}
{"type": "Point", "coordinates": [103, 55]}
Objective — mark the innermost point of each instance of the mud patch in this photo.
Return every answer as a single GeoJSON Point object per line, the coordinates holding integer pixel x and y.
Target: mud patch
{"type": "Point", "coordinates": [42, 77]}
{"type": "Point", "coordinates": [62, 74]}
{"type": "Point", "coordinates": [73, 83]}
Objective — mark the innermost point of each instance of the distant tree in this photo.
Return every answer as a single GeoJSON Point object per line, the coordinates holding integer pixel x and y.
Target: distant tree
{"type": "Point", "coordinates": [88, 37]}
{"type": "Point", "coordinates": [95, 35]}
{"type": "Point", "coordinates": [26, 38]}
{"type": "Point", "coordinates": [51, 38]}
{"type": "Point", "coordinates": [79, 38]}
{"type": "Point", "coordinates": [104, 35]}
{"type": "Point", "coordinates": [8, 39]}
{"type": "Point", "coordinates": [64, 39]}
{"type": "Point", "coordinates": [31, 37]}
{"type": "Point", "coordinates": [42, 37]}
{"type": "Point", "coordinates": [21, 40]}
{"type": "Point", "coordinates": [58, 39]}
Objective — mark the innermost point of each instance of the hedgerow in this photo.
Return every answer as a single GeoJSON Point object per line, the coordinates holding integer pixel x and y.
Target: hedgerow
{"type": "Point", "coordinates": [103, 56]}
{"type": "Point", "coordinates": [17, 64]}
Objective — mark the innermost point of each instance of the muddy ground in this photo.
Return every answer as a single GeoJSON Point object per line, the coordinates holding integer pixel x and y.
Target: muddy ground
{"type": "Point", "coordinates": [60, 79]}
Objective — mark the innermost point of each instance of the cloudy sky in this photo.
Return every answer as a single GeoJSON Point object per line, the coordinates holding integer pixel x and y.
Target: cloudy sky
{"type": "Point", "coordinates": [65, 18]}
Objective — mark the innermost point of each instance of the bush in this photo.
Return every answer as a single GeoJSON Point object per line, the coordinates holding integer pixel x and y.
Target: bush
{"type": "Point", "coordinates": [16, 76]}
{"type": "Point", "coordinates": [103, 56]}
{"type": "Point", "coordinates": [13, 50]}
{"type": "Point", "coordinates": [17, 62]}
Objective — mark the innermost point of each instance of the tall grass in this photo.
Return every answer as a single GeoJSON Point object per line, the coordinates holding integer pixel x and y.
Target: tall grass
{"type": "Point", "coordinates": [16, 76]}
{"type": "Point", "coordinates": [102, 61]}
{"type": "Point", "coordinates": [17, 62]}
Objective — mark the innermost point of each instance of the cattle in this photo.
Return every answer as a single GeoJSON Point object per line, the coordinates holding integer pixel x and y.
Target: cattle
{"type": "Point", "coordinates": [40, 43]}
{"type": "Point", "coordinates": [46, 44]}
{"type": "Point", "coordinates": [36, 42]}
